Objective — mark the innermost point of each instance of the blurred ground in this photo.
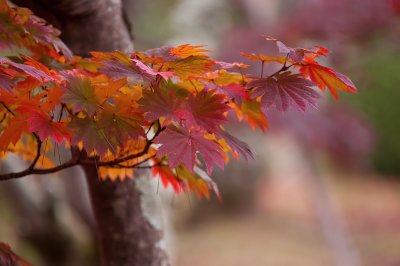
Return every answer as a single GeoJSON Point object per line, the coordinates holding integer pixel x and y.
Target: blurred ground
{"type": "Point", "coordinates": [284, 237]}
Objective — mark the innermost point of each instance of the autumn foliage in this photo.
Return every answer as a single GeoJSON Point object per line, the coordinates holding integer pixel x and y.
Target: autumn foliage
{"type": "Point", "coordinates": [163, 109]}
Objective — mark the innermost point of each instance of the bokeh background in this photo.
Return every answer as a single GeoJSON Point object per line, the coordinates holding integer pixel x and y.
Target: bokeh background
{"type": "Point", "coordinates": [324, 188]}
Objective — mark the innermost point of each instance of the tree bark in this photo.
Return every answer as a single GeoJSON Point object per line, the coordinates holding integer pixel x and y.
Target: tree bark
{"type": "Point", "coordinates": [129, 230]}
{"type": "Point", "coordinates": [86, 25]}
{"type": "Point", "coordinates": [129, 234]}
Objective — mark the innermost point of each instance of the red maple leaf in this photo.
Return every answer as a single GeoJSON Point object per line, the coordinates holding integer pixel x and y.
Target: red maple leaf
{"type": "Point", "coordinates": [168, 177]}
{"type": "Point", "coordinates": [327, 77]}
{"type": "Point", "coordinates": [45, 127]}
{"type": "Point", "coordinates": [12, 133]}
{"type": "Point", "coordinates": [181, 145]}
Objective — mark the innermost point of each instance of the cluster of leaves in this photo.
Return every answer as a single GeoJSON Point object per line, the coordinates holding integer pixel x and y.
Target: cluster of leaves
{"type": "Point", "coordinates": [163, 109]}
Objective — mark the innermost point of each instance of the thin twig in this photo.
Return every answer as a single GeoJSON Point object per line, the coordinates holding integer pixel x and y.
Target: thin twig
{"type": "Point", "coordinates": [38, 151]}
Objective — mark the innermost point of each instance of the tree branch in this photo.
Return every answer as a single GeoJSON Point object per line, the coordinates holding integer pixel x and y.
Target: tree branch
{"type": "Point", "coordinates": [135, 165]}
{"type": "Point", "coordinates": [45, 171]}
{"type": "Point", "coordinates": [78, 160]}
{"type": "Point", "coordinates": [131, 156]}
{"type": "Point", "coordinates": [39, 147]}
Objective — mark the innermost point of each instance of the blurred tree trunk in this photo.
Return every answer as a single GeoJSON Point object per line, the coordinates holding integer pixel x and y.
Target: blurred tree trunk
{"type": "Point", "coordinates": [128, 231]}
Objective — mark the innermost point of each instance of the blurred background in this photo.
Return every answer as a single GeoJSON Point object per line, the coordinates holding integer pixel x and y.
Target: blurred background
{"type": "Point", "coordinates": [324, 188]}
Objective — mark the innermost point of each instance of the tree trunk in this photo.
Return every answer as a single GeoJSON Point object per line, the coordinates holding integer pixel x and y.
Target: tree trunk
{"type": "Point", "coordinates": [128, 232]}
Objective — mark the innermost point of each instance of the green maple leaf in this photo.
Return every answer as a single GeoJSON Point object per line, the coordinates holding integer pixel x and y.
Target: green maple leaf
{"type": "Point", "coordinates": [119, 125]}
{"type": "Point", "coordinates": [91, 135]}
{"type": "Point", "coordinates": [79, 93]}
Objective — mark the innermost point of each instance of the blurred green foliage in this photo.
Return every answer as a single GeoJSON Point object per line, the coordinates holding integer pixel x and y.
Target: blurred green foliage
{"type": "Point", "coordinates": [379, 99]}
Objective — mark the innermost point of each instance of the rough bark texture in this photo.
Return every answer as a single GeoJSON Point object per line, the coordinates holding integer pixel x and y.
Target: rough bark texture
{"type": "Point", "coordinates": [124, 222]}
{"type": "Point", "coordinates": [86, 25]}
{"type": "Point", "coordinates": [126, 232]}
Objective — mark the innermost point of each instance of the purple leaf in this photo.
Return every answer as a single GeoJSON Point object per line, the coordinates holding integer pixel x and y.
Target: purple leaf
{"type": "Point", "coordinates": [30, 70]}
{"type": "Point", "coordinates": [116, 69]}
{"type": "Point", "coordinates": [149, 71]}
{"type": "Point", "coordinates": [240, 147]}
{"type": "Point", "coordinates": [283, 90]}
{"type": "Point", "coordinates": [6, 82]}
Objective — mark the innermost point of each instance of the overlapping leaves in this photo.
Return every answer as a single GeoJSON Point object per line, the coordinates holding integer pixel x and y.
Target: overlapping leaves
{"type": "Point", "coordinates": [171, 101]}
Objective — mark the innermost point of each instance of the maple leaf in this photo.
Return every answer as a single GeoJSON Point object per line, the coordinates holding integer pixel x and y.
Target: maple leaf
{"type": "Point", "coordinates": [53, 98]}
{"type": "Point", "coordinates": [297, 54]}
{"type": "Point", "coordinates": [159, 55]}
{"type": "Point", "coordinates": [12, 133]}
{"type": "Point", "coordinates": [226, 65]}
{"type": "Point", "coordinates": [91, 135]}
{"type": "Point", "coordinates": [120, 125]}
{"type": "Point", "coordinates": [149, 71]}
{"type": "Point", "coordinates": [43, 33]}
{"type": "Point", "coordinates": [30, 70]}
{"type": "Point", "coordinates": [206, 178]}
{"type": "Point", "coordinates": [253, 114]}
{"type": "Point", "coordinates": [28, 84]}
{"type": "Point", "coordinates": [168, 177]}
{"type": "Point", "coordinates": [208, 109]}
{"type": "Point", "coordinates": [119, 65]}
{"type": "Point", "coordinates": [23, 29]}
{"type": "Point", "coordinates": [45, 127]}
{"type": "Point", "coordinates": [231, 91]}
{"type": "Point", "coordinates": [80, 93]}
{"type": "Point", "coordinates": [115, 173]}
{"type": "Point", "coordinates": [117, 69]}
{"type": "Point", "coordinates": [6, 82]}
{"type": "Point", "coordinates": [197, 181]}
{"type": "Point", "coordinates": [181, 145]}
{"type": "Point", "coordinates": [186, 50]}
{"type": "Point", "coordinates": [327, 77]}
{"type": "Point", "coordinates": [108, 88]}
{"type": "Point", "coordinates": [264, 58]}
{"type": "Point", "coordinates": [163, 103]}
{"type": "Point", "coordinates": [225, 78]}
{"type": "Point", "coordinates": [37, 65]}
{"type": "Point", "coordinates": [238, 146]}
{"type": "Point", "coordinates": [190, 66]}
{"type": "Point", "coordinates": [285, 89]}
{"type": "Point", "coordinates": [116, 64]}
